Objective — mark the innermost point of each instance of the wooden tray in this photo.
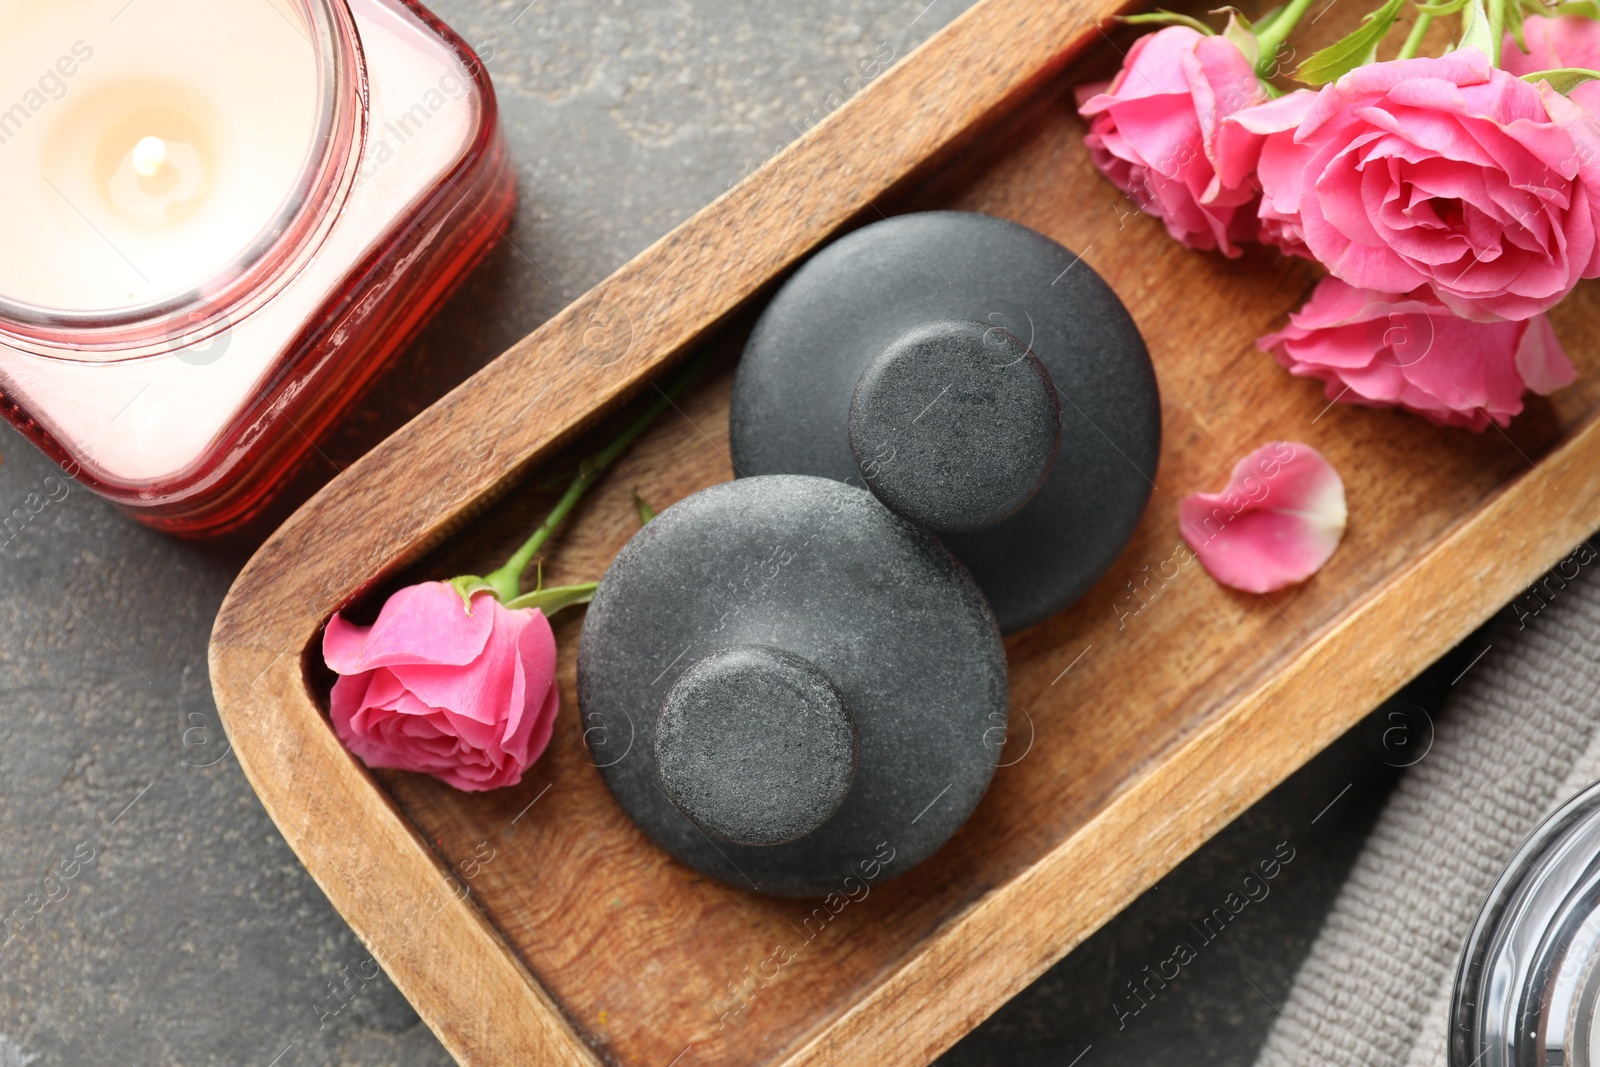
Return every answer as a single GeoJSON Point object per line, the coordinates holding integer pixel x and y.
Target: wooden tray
{"type": "Point", "coordinates": [535, 925]}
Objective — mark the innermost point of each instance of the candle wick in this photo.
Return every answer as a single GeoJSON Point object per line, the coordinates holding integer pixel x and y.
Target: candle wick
{"type": "Point", "coordinates": [149, 156]}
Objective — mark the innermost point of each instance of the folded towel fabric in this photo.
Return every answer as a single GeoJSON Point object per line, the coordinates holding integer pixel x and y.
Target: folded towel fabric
{"type": "Point", "coordinates": [1519, 735]}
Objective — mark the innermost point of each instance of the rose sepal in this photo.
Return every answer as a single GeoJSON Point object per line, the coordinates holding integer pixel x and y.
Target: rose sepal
{"type": "Point", "coordinates": [469, 585]}
{"type": "Point", "coordinates": [555, 598]}
{"type": "Point", "coordinates": [1479, 29]}
{"type": "Point", "coordinates": [1242, 34]}
{"type": "Point", "coordinates": [1563, 79]}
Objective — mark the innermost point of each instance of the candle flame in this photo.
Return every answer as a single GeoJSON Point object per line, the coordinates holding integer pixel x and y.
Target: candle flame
{"type": "Point", "coordinates": [149, 156]}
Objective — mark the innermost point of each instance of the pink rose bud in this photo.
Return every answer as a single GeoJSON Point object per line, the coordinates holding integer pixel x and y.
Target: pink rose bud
{"type": "Point", "coordinates": [1152, 132]}
{"type": "Point", "coordinates": [468, 697]}
{"type": "Point", "coordinates": [1276, 523]}
{"type": "Point", "coordinates": [1413, 352]}
{"type": "Point", "coordinates": [1447, 172]}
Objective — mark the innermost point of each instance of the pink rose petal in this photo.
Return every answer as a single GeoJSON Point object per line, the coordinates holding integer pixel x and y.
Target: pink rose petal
{"type": "Point", "coordinates": [1412, 351]}
{"type": "Point", "coordinates": [1279, 519]}
{"type": "Point", "coordinates": [424, 623]}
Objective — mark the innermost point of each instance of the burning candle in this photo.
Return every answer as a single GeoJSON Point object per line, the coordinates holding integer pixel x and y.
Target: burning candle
{"type": "Point", "coordinates": [152, 144]}
{"type": "Point", "coordinates": [206, 250]}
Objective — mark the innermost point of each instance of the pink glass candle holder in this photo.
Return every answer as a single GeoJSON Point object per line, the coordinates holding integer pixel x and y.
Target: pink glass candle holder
{"type": "Point", "coordinates": [221, 222]}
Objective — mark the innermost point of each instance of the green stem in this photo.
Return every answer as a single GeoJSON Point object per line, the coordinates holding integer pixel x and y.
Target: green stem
{"type": "Point", "coordinates": [507, 580]}
{"type": "Point", "coordinates": [1271, 39]}
{"type": "Point", "coordinates": [1497, 28]}
{"type": "Point", "coordinates": [1414, 38]}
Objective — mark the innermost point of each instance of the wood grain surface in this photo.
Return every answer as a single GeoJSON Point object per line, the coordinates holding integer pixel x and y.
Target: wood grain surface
{"type": "Point", "coordinates": [536, 925]}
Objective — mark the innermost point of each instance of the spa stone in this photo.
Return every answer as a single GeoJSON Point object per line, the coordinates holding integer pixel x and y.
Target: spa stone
{"type": "Point", "coordinates": [793, 389]}
{"type": "Point", "coordinates": [954, 425]}
{"type": "Point", "coordinates": [791, 581]}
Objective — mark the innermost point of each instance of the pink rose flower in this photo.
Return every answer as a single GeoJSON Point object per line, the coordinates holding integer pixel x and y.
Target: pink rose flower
{"type": "Point", "coordinates": [1282, 231]}
{"type": "Point", "coordinates": [1442, 172]}
{"type": "Point", "coordinates": [1151, 131]}
{"type": "Point", "coordinates": [1565, 41]}
{"type": "Point", "coordinates": [468, 697]}
{"type": "Point", "coordinates": [1276, 523]}
{"type": "Point", "coordinates": [1381, 350]}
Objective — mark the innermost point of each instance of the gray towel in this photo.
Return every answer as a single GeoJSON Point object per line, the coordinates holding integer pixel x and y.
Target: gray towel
{"type": "Point", "coordinates": [1518, 736]}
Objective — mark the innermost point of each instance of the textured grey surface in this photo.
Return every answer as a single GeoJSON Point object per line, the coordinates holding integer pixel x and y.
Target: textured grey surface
{"type": "Point", "coordinates": [822, 570]}
{"type": "Point", "coordinates": [791, 397]}
{"type": "Point", "coordinates": [954, 424]}
{"type": "Point", "coordinates": [1519, 735]}
{"type": "Point", "coordinates": [755, 745]}
{"type": "Point", "coordinates": [194, 936]}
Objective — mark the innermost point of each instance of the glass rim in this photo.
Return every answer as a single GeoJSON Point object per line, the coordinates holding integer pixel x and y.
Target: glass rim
{"type": "Point", "coordinates": [1530, 958]}
{"type": "Point", "coordinates": [258, 271]}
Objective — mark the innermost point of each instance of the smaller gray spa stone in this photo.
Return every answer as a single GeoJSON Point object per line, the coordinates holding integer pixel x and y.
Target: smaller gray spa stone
{"type": "Point", "coordinates": [755, 746]}
{"type": "Point", "coordinates": [955, 424]}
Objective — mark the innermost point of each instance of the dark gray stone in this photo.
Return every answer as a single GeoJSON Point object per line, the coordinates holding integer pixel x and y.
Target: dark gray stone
{"type": "Point", "coordinates": [755, 746]}
{"type": "Point", "coordinates": [955, 425]}
{"type": "Point", "coordinates": [825, 572]}
{"type": "Point", "coordinates": [791, 398]}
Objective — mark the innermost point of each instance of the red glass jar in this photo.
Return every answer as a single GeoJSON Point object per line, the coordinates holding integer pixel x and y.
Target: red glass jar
{"type": "Point", "coordinates": [220, 255]}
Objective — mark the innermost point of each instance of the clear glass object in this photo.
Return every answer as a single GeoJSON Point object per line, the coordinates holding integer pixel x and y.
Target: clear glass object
{"type": "Point", "coordinates": [221, 221]}
{"type": "Point", "coordinates": [1528, 986]}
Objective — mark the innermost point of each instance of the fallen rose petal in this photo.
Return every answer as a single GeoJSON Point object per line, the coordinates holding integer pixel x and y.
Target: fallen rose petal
{"type": "Point", "coordinates": [1276, 523]}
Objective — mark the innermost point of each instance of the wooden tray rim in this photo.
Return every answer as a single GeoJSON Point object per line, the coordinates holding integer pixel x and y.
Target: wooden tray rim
{"type": "Point", "coordinates": [975, 961]}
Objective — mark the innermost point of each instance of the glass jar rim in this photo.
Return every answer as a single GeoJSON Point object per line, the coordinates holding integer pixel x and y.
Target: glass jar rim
{"type": "Point", "coordinates": [1529, 960]}
{"type": "Point", "coordinates": [272, 258]}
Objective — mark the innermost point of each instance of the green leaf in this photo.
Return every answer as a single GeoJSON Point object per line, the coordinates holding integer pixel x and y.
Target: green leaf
{"type": "Point", "coordinates": [1441, 10]}
{"type": "Point", "coordinates": [556, 597]}
{"type": "Point", "coordinates": [1563, 79]}
{"type": "Point", "coordinates": [646, 512]}
{"type": "Point", "coordinates": [1348, 53]}
{"type": "Point", "coordinates": [1476, 31]}
{"type": "Point", "coordinates": [1163, 17]}
{"type": "Point", "coordinates": [468, 584]}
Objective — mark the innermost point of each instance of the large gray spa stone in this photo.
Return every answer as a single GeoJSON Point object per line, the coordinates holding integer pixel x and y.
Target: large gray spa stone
{"type": "Point", "coordinates": [801, 366]}
{"type": "Point", "coordinates": [765, 585]}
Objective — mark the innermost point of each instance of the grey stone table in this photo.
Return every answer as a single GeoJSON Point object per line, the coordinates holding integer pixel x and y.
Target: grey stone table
{"type": "Point", "coordinates": [192, 935]}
